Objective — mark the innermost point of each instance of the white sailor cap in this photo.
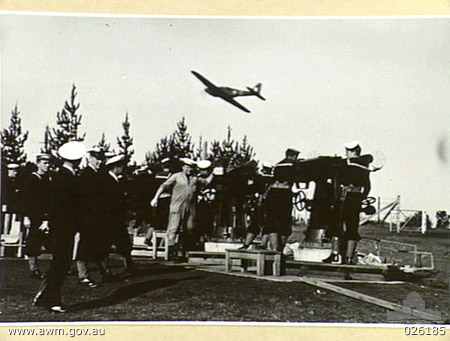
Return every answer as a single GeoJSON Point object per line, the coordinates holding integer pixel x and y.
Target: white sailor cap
{"type": "Point", "coordinates": [13, 166]}
{"type": "Point", "coordinates": [203, 164]}
{"type": "Point", "coordinates": [142, 167]}
{"type": "Point", "coordinates": [73, 150]}
{"type": "Point", "coordinates": [115, 159]}
{"type": "Point", "coordinates": [352, 145]}
{"type": "Point", "coordinates": [267, 164]}
{"type": "Point", "coordinates": [109, 155]}
{"type": "Point", "coordinates": [165, 160]}
{"type": "Point", "coordinates": [187, 161]}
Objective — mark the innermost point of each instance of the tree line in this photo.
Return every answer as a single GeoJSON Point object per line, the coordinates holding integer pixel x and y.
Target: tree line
{"type": "Point", "coordinates": [228, 153]}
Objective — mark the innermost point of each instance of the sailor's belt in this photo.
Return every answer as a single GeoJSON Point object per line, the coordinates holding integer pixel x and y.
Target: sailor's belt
{"type": "Point", "coordinates": [353, 189]}
{"type": "Point", "coordinates": [281, 185]}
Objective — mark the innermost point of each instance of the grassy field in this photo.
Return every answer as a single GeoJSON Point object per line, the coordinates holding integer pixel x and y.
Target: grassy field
{"type": "Point", "coordinates": [168, 292]}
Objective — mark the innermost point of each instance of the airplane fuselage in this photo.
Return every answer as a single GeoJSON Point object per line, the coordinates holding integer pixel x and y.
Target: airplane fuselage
{"type": "Point", "coordinates": [226, 92]}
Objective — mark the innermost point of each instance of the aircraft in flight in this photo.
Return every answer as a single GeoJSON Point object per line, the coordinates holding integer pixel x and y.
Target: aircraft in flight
{"type": "Point", "coordinates": [228, 94]}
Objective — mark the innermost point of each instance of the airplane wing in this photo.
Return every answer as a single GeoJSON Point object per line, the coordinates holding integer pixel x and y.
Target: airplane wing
{"type": "Point", "coordinates": [203, 80]}
{"type": "Point", "coordinates": [235, 103]}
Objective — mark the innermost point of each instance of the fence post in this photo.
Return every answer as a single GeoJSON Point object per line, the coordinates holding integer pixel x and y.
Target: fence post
{"type": "Point", "coordinates": [378, 210]}
{"type": "Point", "coordinates": [423, 227]}
{"type": "Point", "coordinates": [397, 215]}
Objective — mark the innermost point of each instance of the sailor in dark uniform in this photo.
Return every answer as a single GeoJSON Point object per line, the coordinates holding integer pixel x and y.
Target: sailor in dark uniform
{"type": "Point", "coordinates": [91, 233]}
{"type": "Point", "coordinates": [161, 216]}
{"type": "Point", "coordinates": [256, 213]}
{"type": "Point", "coordinates": [142, 188]}
{"type": "Point", "coordinates": [65, 208]}
{"type": "Point", "coordinates": [353, 187]}
{"type": "Point", "coordinates": [278, 205]}
{"type": "Point", "coordinates": [160, 213]}
{"type": "Point", "coordinates": [114, 212]}
{"type": "Point", "coordinates": [11, 189]}
{"type": "Point", "coordinates": [204, 219]}
{"type": "Point", "coordinates": [37, 194]}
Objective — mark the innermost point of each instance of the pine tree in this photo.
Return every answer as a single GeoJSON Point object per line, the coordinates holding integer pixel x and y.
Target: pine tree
{"type": "Point", "coordinates": [229, 150]}
{"type": "Point", "coordinates": [178, 144]}
{"type": "Point", "coordinates": [182, 140]}
{"type": "Point", "coordinates": [164, 149]}
{"type": "Point", "coordinates": [68, 121]}
{"type": "Point", "coordinates": [245, 152]}
{"type": "Point", "coordinates": [230, 153]}
{"type": "Point", "coordinates": [215, 150]}
{"type": "Point", "coordinates": [200, 153]}
{"type": "Point", "coordinates": [13, 140]}
{"type": "Point", "coordinates": [103, 145]}
{"type": "Point", "coordinates": [47, 138]}
{"type": "Point", "coordinates": [126, 141]}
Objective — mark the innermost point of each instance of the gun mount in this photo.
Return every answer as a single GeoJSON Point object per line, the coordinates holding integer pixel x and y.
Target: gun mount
{"type": "Point", "coordinates": [332, 176]}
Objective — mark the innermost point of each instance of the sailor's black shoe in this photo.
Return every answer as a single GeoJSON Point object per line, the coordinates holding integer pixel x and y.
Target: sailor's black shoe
{"type": "Point", "coordinates": [87, 282]}
{"type": "Point", "coordinates": [333, 258]}
{"type": "Point", "coordinates": [57, 309]}
{"type": "Point", "coordinates": [38, 301]}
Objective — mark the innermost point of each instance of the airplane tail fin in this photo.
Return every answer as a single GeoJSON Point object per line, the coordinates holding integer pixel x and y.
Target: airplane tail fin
{"type": "Point", "coordinates": [256, 90]}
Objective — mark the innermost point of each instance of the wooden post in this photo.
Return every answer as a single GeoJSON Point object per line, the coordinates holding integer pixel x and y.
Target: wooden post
{"type": "Point", "coordinates": [166, 246]}
{"type": "Point", "coordinates": [154, 245]}
{"type": "Point", "coordinates": [378, 210]}
{"type": "Point", "coordinates": [276, 266]}
{"type": "Point", "coordinates": [423, 227]}
{"type": "Point", "coordinates": [260, 264]}
{"type": "Point", "coordinates": [227, 261]}
{"type": "Point", "coordinates": [397, 215]}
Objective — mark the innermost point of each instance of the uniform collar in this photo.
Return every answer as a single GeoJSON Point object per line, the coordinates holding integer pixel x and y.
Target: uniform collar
{"type": "Point", "coordinates": [114, 176]}
{"type": "Point", "coordinates": [93, 168]}
{"type": "Point", "coordinates": [71, 170]}
{"type": "Point", "coordinates": [37, 174]}
{"type": "Point", "coordinates": [354, 162]}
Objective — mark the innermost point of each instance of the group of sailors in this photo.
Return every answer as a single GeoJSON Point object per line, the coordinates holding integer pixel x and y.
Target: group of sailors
{"type": "Point", "coordinates": [95, 203]}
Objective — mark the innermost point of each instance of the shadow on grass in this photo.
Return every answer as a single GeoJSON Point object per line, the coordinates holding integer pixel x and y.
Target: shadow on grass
{"type": "Point", "coordinates": [130, 291]}
{"type": "Point", "coordinates": [151, 270]}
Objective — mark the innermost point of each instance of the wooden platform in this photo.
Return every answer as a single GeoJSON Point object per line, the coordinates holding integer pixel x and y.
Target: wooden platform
{"type": "Point", "coordinates": [262, 257]}
{"type": "Point", "coordinates": [342, 271]}
{"type": "Point", "coordinates": [204, 257]}
{"type": "Point", "coordinates": [282, 279]}
{"type": "Point", "coordinates": [339, 272]}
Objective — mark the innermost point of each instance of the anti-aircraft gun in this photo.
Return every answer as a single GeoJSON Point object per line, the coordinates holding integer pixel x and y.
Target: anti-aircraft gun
{"type": "Point", "coordinates": [232, 187]}
{"type": "Point", "coordinates": [330, 176]}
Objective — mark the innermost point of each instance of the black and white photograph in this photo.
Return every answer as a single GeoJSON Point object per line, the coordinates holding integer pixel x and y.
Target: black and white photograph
{"type": "Point", "coordinates": [225, 169]}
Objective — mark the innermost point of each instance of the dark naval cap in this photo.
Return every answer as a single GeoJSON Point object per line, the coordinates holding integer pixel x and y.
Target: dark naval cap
{"type": "Point", "coordinates": [352, 145]}
{"type": "Point", "coordinates": [292, 151]}
{"type": "Point", "coordinates": [43, 157]}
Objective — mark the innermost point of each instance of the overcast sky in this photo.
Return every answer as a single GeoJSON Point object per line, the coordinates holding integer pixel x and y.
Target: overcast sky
{"type": "Point", "coordinates": [384, 82]}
